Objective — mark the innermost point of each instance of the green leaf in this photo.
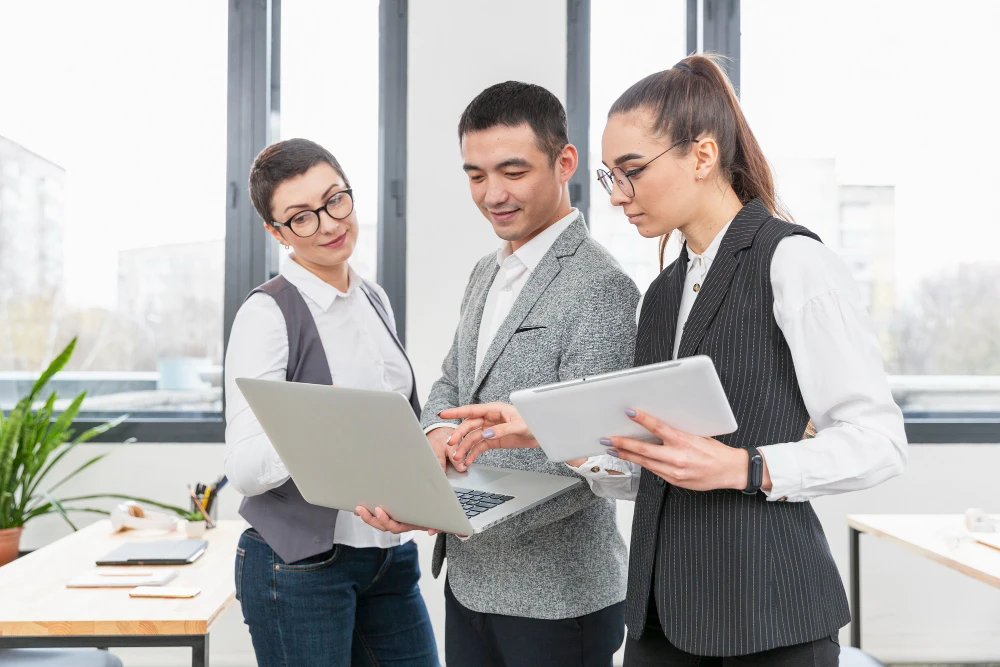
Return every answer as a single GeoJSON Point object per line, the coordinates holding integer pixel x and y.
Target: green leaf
{"type": "Point", "coordinates": [61, 510]}
{"type": "Point", "coordinates": [48, 509]}
{"type": "Point", "coordinates": [145, 501]}
{"type": "Point", "coordinates": [54, 367]}
{"type": "Point", "coordinates": [99, 429]}
{"type": "Point", "coordinates": [77, 471]}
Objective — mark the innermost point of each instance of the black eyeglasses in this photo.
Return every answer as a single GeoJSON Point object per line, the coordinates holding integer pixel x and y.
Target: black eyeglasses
{"type": "Point", "coordinates": [622, 177]}
{"type": "Point", "coordinates": [306, 223]}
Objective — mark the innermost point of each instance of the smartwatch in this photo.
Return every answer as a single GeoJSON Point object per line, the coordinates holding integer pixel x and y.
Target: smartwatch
{"type": "Point", "coordinates": [755, 471]}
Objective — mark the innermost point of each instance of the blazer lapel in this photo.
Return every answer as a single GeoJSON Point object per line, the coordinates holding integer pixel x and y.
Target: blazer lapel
{"type": "Point", "coordinates": [669, 305]}
{"type": "Point", "coordinates": [469, 335]}
{"type": "Point", "coordinates": [720, 276]}
{"type": "Point", "coordinates": [538, 282]}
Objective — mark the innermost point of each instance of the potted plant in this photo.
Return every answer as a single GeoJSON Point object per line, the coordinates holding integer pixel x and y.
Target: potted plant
{"type": "Point", "coordinates": [32, 442]}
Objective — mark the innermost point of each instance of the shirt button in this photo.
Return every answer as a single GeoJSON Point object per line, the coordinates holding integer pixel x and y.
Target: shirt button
{"type": "Point", "coordinates": [596, 469]}
{"type": "Point", "coordinates": [783, 499]}
{"type": "Point", "coordinates": [697, 287]}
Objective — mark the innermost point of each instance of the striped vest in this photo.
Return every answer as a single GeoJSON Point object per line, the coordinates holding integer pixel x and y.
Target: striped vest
{"type": "Point", "coordinates": [732, 574]}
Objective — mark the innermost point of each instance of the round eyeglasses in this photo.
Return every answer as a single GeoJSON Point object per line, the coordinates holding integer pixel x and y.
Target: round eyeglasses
{"type": "Point", "coordinates": [623, 178]}
{"type": "Point", "coordinates": [306, 223]}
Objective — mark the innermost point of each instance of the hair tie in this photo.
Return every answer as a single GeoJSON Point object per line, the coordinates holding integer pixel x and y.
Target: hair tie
{"type": "Point", "coordinates": [684, 66]}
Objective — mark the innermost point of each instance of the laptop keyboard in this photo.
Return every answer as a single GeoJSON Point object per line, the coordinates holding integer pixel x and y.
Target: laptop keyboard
{"type": "Point", "coordinates": [476, 502]}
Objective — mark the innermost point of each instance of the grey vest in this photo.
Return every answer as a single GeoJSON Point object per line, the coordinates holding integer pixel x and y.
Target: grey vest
{"type": "Point", "coordinates": [292, 527]}
{"type": "Point", "coordinates": [732, 574]}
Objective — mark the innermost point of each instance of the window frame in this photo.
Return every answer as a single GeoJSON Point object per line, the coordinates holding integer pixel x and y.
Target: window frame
{"type": "Point", "coordinates": [253, 111]}
{"type": "Point", "coordinates": [714, 25]}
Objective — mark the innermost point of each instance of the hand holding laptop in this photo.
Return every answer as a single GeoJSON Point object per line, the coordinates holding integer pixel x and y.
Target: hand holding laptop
{"type": "Point", "coordinates": [381, 520]}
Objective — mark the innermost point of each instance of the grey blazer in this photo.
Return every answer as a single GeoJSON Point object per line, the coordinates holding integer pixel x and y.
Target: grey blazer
{"type": "Point", "coordinates": [574, 317]}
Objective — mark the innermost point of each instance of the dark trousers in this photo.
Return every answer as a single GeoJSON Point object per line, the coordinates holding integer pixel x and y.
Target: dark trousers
{"type": "Point", "coordinates": [493, 640]}
{"type": "Point", "coordinates": [344, 607]}
{"type": "Point", "coordinates": [655, 650]}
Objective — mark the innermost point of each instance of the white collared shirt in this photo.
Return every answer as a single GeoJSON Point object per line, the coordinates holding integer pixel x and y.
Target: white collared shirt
{"type": "Point", "coordinates": [861, 440]}
{"type": "Point", "coordinates": [515, 269]}
{"type": "Point", "coordinates": [361, 352]}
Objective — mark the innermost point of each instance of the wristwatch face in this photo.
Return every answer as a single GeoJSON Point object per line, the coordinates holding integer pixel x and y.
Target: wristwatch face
{"type": "Point", "coordinates": [756, 471]}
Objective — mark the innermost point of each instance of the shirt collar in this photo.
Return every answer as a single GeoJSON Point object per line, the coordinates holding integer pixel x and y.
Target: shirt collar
{"type": "Point", "coordinates": [532, 252]}
{"type": "Point", "coordinates": [710, 252]}
{"type": "Point", "coordinates": [309, 284]}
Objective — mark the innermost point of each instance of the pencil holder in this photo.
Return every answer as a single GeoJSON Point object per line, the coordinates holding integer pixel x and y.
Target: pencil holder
{"type": "Point", "coordinates": [213, 513]}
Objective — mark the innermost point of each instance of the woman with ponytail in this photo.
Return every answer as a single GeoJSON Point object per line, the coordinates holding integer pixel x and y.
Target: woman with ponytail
{"type": "Point", "coordinates": [729, 564]}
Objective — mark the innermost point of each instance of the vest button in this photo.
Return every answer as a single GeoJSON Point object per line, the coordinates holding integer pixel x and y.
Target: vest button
{"type": "Point", "coordinates": [660, 481]}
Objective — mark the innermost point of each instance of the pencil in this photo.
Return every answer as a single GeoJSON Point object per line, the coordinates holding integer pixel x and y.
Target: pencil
{"type": "Point", "coordinates": [201, 507]}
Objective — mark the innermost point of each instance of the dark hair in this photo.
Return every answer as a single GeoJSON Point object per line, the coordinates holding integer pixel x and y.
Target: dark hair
{"type": "Point", "coordinates": [693, 99]}
{"type": "Point", "coordinates": [283, 160]}
{"type": "Point", "coordinates": [514, 103]}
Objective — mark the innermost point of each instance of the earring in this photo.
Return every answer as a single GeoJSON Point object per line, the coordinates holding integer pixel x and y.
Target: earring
{"type": "Point", "coordinates": [285, 246]}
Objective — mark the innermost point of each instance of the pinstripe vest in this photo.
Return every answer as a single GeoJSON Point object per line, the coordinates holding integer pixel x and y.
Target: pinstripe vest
{"type": "Point", "coordinates": [732, 574]}
{"type": "Point", "coordinates": [292, 527]}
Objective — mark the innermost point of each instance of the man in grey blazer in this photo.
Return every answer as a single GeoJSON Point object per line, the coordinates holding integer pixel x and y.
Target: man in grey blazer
{"type": "Point", "coordinates": [545, 587]}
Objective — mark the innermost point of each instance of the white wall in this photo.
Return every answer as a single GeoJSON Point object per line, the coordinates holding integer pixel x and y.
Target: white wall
{"type": "Point", "coordinates": [457, 49]}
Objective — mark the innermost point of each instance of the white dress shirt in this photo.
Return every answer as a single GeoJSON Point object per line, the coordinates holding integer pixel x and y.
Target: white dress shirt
{"type": "Point", "coordinates": [361, 353]}
{"type": "Point", "coordinates": [861, 441]}
{"type": "Point", "coordinates": [515, 269]}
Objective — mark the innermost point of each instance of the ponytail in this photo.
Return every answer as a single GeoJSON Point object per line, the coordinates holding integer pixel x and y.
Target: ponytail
{"type": "Point", "coordinates": [693, 99]}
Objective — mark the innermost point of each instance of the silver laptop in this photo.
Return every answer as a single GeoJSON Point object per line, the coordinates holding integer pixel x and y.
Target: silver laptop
{"type": "Point", "coordinates": [156, 552]}
{"type": "Point", "coordinates": [349, 447]}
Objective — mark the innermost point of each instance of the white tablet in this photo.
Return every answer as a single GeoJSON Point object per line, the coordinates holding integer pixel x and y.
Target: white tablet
{"type": "Point", "coordinates": [569, 418]}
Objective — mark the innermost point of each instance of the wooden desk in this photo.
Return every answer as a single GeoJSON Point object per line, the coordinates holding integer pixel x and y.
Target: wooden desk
{"type": "Point", "coordinates": [940, 537]}
{"type": "Point", "coordinates": [40, 612]}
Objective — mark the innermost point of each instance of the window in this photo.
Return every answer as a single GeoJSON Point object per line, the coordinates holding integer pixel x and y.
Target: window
{"type": "Point", "coordinates": [883, 138]}
{"type": "Point", "coordinates": [330, 94]}
{"type": "Point", "coordinates": [112, 202]}
{"type": "Point", "coordinates": [656, 31]}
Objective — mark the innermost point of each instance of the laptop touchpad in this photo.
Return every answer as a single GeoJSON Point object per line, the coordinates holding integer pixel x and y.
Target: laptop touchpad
{"type": "Point", "coordinates": [476, 476]}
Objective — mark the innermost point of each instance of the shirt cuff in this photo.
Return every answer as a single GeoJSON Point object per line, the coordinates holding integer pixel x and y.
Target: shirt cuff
{"type": "Point", "coordinates": [438, 425]}
{"type": "Point", "coordinates": [784, 470]}
{"type": "Point", "coordinates": [597, 467]}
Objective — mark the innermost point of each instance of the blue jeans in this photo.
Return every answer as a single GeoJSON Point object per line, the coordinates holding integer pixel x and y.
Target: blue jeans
{"type": "Point", "coordinates": [344, 607]}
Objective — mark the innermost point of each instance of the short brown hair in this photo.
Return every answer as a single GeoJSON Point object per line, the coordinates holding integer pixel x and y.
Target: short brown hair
{"type": "Point", "coordinates": [281, 161]}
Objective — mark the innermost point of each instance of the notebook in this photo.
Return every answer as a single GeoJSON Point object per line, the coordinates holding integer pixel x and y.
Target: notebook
{"type": "Point", "coordinates": [119, 579]}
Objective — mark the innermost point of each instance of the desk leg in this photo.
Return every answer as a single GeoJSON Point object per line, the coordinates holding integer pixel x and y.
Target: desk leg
{"type": "Point", "coordinates": [199, 651]}
{"type": "Point", "coordinates": [855, 588]}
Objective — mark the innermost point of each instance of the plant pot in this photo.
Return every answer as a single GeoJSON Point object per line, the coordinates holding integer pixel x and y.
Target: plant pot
{"type": "Point", "coordinates": [10, 541]}
{"type": "Point", "coordinates": [194, 528]}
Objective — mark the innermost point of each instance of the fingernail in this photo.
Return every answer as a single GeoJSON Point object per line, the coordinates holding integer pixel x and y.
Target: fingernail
{"type": "Point", "coordinates": [630, 412]}
{"type": "Point", "coordinates": [488, 433]}
{"type": "Point", "coordinates": [613, 452]}
{"type": "Point", "coordinates": [606, 442]}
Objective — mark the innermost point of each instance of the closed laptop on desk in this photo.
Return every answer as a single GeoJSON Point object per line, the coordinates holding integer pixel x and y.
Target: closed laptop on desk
{"type": "Point", "coordinates": [156, 552]}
